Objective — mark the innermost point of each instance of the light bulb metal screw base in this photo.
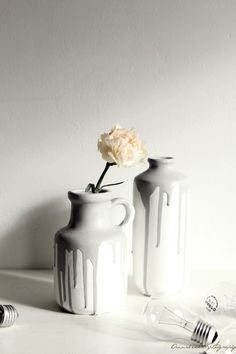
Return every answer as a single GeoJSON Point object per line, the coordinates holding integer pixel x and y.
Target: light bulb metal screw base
{"type": "Point", "coordinates": [204, 333]}
{"type": "Point", "coordinates": [8, 315]}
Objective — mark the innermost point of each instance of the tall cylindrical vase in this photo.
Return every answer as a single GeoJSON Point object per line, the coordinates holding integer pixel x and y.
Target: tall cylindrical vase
{"type": "Point", "coordinates": [161, 209]}
{"type": "Point", "coordinates": [90, 255]}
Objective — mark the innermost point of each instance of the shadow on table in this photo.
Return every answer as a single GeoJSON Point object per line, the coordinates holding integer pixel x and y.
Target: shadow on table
{"type": "Point", "coordinates": [122, 324]}
{"type": "Point", "coordinates": [34, 289]}
{"type": "Point", "coordinates": [132, 289]}
{"type": "Point", "coordinates": [114, 326]}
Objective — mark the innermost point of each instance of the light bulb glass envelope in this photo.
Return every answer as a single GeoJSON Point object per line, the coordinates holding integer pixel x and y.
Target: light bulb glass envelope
{"type": "Point", "coordinates": [169, 319]}
{"type": "Point", "coordinates": [220, 304]}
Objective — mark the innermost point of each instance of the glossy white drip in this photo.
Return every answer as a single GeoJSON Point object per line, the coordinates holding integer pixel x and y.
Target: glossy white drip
{"type": "Point", "coordinates": [162, 203]}
{"type": "Point", "coordinates": [79, 279]}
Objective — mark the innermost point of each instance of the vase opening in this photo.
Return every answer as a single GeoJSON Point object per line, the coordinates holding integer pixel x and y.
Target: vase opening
{"type": "Point", "coordinates": [162, 160]}
{"type": "Point", "coordinates": [81, 196]}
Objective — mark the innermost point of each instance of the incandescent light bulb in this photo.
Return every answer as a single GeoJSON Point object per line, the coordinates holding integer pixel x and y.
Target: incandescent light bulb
{"type": "Point", "coordinates": [168, 319]}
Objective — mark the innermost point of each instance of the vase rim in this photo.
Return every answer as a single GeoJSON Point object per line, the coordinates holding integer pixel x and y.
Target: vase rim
{"type": "Point", "coordinates": [81, 195]}
{"type": "Point", "coordinates": [165, 160]}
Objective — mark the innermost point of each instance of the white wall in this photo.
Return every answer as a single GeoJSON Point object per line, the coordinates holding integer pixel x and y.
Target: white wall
{"type": "Point", "coordinates": [69, 69]}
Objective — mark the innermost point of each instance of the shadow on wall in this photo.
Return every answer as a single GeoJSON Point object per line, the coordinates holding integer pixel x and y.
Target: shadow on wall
{"type": "Point", "coordinates": [32, 289]}
{"type": "Point", "coordinates": [29, 243]}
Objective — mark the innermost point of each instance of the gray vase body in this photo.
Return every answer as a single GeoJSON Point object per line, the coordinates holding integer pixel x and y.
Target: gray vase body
{"type": "Point", "coordinates": [161, 211]}
{"type": "Point", "coordinates": [90, 255]}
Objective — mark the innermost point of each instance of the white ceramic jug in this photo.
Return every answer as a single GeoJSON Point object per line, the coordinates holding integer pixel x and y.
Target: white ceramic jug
{"type": "Point", "coordinates": [90, 255]}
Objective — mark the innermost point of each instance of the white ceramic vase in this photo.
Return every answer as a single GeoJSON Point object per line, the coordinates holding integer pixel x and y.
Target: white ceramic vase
{"type": "Point", "coordinates": [161, 211]}
{"type": "Point", "coordinates": [90, 255]}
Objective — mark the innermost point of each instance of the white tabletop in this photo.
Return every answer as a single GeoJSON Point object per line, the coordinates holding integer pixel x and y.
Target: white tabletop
{"type": "Point", "coordinates": [42, 328]}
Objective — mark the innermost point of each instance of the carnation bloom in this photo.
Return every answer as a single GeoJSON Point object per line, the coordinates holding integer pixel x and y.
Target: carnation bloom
{"type": "Point", "coordinates": [122, 146]}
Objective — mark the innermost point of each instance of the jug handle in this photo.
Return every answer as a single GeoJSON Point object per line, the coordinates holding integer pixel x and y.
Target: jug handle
{"type": "Point", "coordinates": [129, 210]}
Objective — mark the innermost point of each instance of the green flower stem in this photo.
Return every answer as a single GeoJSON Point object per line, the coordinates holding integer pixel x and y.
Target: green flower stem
{"type": "Point", "coordinates": [98, 185]}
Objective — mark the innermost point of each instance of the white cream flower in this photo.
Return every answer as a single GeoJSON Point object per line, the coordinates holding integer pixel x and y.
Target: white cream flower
{"type": "Point", "coordinates": [122, 146]}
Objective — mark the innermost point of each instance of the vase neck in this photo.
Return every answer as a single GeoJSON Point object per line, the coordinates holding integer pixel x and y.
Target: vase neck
{"type": "Point", "coordinates": [165, 162]}
{"type": "Point", "coordinates": [90, 211]}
